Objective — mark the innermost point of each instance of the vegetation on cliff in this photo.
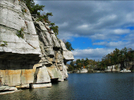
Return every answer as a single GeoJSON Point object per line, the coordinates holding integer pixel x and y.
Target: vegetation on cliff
{"type": "Point", "coordinates": [69, 46]}
{"type": "Point", "coordinates": [35, 9]}
{"type": "Point", "coordinates": [115, 57]}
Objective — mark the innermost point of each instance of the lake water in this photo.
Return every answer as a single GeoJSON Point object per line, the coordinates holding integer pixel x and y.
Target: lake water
{"type": "Point", "coordinates": [91, 86]}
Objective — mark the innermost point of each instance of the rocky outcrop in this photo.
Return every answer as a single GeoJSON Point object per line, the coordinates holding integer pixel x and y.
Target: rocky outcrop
{"type": "Point", "coordinates": [113, 68]}
{"type": "Point", "coordinates": [30, 53]}
{"type": "Point", "coordinates": [125, 71]}
{"type": "Point", "coordinates": [124, 67]}
{"type": "Point", "coordinates": [84, 70]}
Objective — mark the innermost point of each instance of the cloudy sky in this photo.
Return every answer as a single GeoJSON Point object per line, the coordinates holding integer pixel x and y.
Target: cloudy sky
{"type": "Point", "coordinates": [94, 28]}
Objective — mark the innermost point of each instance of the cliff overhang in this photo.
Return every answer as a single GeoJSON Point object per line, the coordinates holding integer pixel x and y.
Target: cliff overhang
{"type": "Point", "coordinates": [30, 54]}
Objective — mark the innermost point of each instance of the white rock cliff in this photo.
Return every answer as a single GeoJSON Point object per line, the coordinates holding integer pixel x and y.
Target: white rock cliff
{"type": "Point", "coordinates": [30, 54]}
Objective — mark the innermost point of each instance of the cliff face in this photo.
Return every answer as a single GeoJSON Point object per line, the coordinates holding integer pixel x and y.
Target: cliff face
{"type": "Point", "coordinates": [30, 53]}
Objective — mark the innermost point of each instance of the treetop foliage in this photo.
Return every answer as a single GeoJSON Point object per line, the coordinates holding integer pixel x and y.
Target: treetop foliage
{"type": "Point", "coordinates": [34, 8]}
{"type": "Point", "coordinates": [68, 45]}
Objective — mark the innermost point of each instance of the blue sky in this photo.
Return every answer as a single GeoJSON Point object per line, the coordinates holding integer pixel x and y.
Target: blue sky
{"type": "Point", "coordinates": [93, 27]}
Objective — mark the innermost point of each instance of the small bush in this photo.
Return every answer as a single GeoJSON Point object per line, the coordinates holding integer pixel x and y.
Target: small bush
{"type": "Point", "coordinates": [5, 43]}
{"type": "Point", "coordinates": [20, 33]}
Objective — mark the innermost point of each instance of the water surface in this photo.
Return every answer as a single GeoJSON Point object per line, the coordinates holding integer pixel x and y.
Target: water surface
{"type": "Point", "coordinates": [92, 86]}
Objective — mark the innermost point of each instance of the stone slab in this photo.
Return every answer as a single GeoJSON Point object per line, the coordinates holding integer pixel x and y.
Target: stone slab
{"type": "Point", "coordinates": [41, 85]}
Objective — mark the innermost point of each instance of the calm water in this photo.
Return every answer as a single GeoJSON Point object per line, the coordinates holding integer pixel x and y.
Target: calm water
{"type": "Point", "coordinates": [94, 86]}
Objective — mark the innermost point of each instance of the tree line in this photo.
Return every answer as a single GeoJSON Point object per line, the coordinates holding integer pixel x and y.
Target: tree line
{"type": "Point", "coordinates": [115, 57]}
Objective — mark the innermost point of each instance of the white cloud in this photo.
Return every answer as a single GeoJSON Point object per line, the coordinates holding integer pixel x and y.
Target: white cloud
{"type": "Point", "coordinates": [130, 17]}
{"type": "Point", "coordinates": [64, 24]}
{"type": "Point", "coordinates": [36, 2]}
{"type": "Point", "coordinates": [66, 36]}
{"type": "Point", "coordinates": [99, 36]}
{"type": "Point", "coordinates": [121, 31]}
{"type": "Point", "coordinates": [83, 27]}
{"type": "Point", "coordinates": [108, 18]}
{"type": "Point", "coordinates": [116, 44]}
{"type": "Point", "coordinates": [96, 54]}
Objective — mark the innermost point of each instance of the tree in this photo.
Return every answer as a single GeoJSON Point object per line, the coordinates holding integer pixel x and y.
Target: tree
{"type": "Point", "coordinates": [34, 8]}
{"type": "Point", "coordinates": [68, 46]}
{"type": "Point", "coordinates": [55, 29]}
{"type": "Point", "coordinates": [78, 63]}
{"type": "Point", "coordinates": [70, 68]}
{"type": "Point", "coordinates": [86, 62]}
{"type": "Point", "coordinates": [130, 55]}
{"type": "Point", "coordinates": [45, 16]}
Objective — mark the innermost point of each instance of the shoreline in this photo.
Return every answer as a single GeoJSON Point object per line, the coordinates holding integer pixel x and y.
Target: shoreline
{"type": "Point", "coordinates": [101, 72]}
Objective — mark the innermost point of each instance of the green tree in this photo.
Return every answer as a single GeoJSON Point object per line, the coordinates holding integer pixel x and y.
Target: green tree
{"type": "Point", "coordinates": [34, 8]}
{"type": "Point", "coordinates": [68, 46]}
{"type": "Point", "coordinates": [86, 62]}
{"type": "Point", "coordinates": [55, 29]}
{"type": "Point", "coordinates": [70, 68]}
{"type": "Point", "coordinates": [130, 55]}
{"type": "Point", "coordinates": [78, 63]}
{"type": "Point", "coordinates": [45, 17]}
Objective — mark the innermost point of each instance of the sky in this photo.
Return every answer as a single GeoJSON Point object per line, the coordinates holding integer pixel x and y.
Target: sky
{"type": "Point", "coordinates": [93, 27]}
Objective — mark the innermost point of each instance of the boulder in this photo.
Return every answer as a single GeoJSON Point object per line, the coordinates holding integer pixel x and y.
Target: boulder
{"type": "Point", "coordinates": [41, 74]}
{"type": "Point", "coordinates": [42, 85]}
{"type": "Point", "coordinates": [7, 89]}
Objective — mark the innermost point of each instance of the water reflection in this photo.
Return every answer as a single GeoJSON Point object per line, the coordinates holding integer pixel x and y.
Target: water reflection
{"type": "Point", "coordinates": [96, 86]}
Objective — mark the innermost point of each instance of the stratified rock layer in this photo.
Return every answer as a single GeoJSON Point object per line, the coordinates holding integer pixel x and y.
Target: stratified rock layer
{"type": "Point", "coordinates": [30, 53]}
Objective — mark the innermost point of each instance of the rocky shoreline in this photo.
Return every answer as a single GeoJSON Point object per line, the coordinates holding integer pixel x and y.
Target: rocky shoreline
{"type": "Point", "coordinates": [98, 71]}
